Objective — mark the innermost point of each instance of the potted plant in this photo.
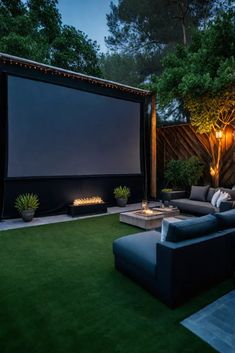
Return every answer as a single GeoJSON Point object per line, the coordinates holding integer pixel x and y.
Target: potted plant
{"type": "Point", "coordinates": [26, 204]}
{"type": "Point", "coordinates": [121, 194]}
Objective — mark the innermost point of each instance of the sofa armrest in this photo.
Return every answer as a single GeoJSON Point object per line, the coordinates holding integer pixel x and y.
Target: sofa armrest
{"type": "Point", "coordinates": [185, 268]}
{"type": "Point", "coordinates": [226, 205]}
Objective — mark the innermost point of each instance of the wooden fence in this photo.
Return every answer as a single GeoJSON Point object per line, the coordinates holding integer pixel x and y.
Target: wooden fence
{"type": "Point", "coordinates": [181, 142]}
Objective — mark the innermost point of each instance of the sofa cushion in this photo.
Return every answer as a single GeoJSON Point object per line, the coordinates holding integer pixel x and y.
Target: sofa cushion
{"type": "Point", "coordinates": [199, 193]}
{"type": "Point", "coordinates": [165, 226]}
{"type": "Point", "coordinates": [230, 192]}
{"type": "Point", "coordinates": [192, 206]}
{"type": "Point", "coordinates": [191, 228]}
{"type": "Point", "coordinates": [139, 249]}
{"type": "Point", "coordinates": [210, 194]}
{"type": "Point", "coordinates": [226, 205]}
{"type": "Point", "coordinates": [226, 219]}
{"type": "Point", "coordinates": [215, 197]}
{"type": "Point", "coordinates": [224, 196]}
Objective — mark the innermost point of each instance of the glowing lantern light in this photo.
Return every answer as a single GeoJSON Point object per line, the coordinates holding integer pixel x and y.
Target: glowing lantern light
{"type": "Point", "coordinates": [219, 134]}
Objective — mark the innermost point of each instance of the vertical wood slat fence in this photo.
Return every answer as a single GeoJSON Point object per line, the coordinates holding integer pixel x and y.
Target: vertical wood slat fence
{"type": "Point", "coordinates": [181, 142]}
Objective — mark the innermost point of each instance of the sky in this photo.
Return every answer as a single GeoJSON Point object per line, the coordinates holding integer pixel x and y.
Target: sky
{"type": "Point", "coordinates": [88, 16]}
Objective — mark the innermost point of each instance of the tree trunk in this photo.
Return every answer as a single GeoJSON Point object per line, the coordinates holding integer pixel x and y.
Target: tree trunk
{"type": "Point", "coordinates": [215, 166]}
{"type": "Point", "coordinates": [184, 32]}
{"type": "Point", "coordinates": [215, 180]}
{"type": "Point", "coordinates": [183, 10]}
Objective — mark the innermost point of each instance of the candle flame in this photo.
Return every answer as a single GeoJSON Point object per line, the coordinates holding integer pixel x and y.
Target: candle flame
{"type": "Point", "coordinates": [148, 211]}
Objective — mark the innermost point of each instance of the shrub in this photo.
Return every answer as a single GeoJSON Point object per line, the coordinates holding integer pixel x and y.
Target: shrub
{"type": "Point", "coordinates": [183, 173]}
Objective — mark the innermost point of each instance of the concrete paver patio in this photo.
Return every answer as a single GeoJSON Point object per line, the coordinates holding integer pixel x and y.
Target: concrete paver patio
{"type": "Point", "coordinates": [38, 221]}
{"type": "Point", "coordinates": [215, 323]}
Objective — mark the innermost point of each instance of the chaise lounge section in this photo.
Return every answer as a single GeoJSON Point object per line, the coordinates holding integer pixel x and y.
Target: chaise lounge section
{"type": "Point", "coordinates": [197, 254]}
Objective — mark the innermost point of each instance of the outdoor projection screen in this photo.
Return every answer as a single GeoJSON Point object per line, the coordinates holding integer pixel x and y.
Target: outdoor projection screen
{"type": "Point", "coordinates": [59, 131]}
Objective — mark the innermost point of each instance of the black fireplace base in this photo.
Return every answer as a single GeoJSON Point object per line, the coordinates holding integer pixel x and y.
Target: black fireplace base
{"type": "Point", "coordinates": [83, 210]}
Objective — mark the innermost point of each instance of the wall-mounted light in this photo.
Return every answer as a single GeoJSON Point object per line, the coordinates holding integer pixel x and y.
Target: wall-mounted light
{"type": "Point", "coordinates": [212, 171]}
{"type": "Point", "coordinates": [219, 134]}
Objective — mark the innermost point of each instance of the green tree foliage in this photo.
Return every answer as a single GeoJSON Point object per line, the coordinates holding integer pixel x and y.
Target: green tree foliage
{"type": "Point", "coordinates": [201, 76]}
{"type": "Point", "coordinates": [151, 24]}
{"type": "Point", "coordinates": [121, 68]}
{"type": "Point", "coordinates": [74, 51]}
{"type": "Point", "coordinates": [12, 7]}
{"type": "Point", "coordinates": [34, 30]}
{"type": "Point", "coordinates": [45, 18]}
{"type": "Point", "coordinates": [129, 69]}
{"type": "Point", "coordinates": [15, 29]}
{"type": "Point", "coordinates": [206, 67]}
{"type": "Point", "coordinates": [150, 29]}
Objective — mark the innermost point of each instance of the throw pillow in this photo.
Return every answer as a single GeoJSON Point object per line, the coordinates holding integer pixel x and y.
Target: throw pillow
{"type": "Point", "coordinates": [224, 196]}
{"type": "Point", "coordinates": [198, 193]}
{"type": "Point", "coordinates": [230, 192]}
{"type": "Point", "coordinates": [215, 198]}
{"type": "Point", "coordinates": [165, 226]}
{"type": "Point", "coordinates": [210, 194]}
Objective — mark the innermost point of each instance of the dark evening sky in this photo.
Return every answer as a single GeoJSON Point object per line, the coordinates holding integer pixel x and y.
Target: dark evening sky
{"type": "Point", "coordinates": [88, 16]}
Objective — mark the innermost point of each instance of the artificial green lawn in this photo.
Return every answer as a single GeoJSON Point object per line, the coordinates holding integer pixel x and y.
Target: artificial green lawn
{"type": "Point", "coordinates": [59, 292]}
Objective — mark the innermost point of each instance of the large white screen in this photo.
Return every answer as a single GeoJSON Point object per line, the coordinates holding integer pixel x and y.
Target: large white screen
{"type": "Point", "coordinates": [59, 131]}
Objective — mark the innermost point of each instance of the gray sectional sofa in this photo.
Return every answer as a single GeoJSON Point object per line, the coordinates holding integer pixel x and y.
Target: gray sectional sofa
{"type": "Point", "coordinates": [197, 253]}
{"type": "Point", "coordinates": [200, 203]}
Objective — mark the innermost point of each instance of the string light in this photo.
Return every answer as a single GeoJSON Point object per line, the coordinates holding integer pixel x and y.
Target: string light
{"type": "Point", "coordinates": [56, 72]}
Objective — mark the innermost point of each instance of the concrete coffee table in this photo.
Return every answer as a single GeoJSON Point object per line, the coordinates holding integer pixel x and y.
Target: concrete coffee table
{"type": "Point", "coordinates": [150, 221]}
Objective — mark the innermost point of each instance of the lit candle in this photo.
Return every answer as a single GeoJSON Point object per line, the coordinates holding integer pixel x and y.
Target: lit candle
{"type": "Point", "coordinates": [144, 205]}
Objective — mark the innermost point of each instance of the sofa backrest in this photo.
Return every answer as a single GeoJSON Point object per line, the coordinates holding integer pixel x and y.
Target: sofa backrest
{"type": "Point", "coordinates": [225, 219]}
{"type": "Point", "coordinates": [192, 228]}
{"type": "Point", "coordinates": [198, 227]}
{"type": "Point", "coordinates": [211, 192]}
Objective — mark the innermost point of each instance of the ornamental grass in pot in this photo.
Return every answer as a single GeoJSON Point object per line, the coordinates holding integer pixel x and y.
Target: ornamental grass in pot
{"type": "Point", "coordinates": [26, 204]}
{"type": "Point", "coordinates": [121, 194]}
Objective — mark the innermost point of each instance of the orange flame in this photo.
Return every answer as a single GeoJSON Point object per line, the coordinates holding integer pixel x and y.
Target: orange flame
{"type": "Point", "coordinates": [148, 211]}
{"type": "Point", "coordinates": [88, 201]}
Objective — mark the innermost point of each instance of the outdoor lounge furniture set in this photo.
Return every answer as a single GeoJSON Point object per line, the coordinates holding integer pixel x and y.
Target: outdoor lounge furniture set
{"type": "Point", "coordinates": [196, 254]}
{"type": "Point", "coordinates": [200, 201]}
{"type": "Point", "coordinates": [188, 256]}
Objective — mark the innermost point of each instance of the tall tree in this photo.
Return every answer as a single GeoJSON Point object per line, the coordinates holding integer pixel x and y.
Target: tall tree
{"type": "Point", "coordinates": [151, 24]}
{"type": "Point", "coordinates": [34, 30]}
{"type": "Point", "coordinates": [151, 28]}
{"type": "Point", "coordinates": [73, 50]}
{"type": "Point", "coordinates": [201, 76]}
{"type": "Point", "coordinates": [45, 18]}
{"type": "Point", "coordinates": [15, 29]}
{"type": "Point", "coordinates": [128, 68]}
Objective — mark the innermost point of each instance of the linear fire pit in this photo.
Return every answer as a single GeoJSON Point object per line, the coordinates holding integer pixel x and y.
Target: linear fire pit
{"type": "Point", "coordinates": [86, 206]}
